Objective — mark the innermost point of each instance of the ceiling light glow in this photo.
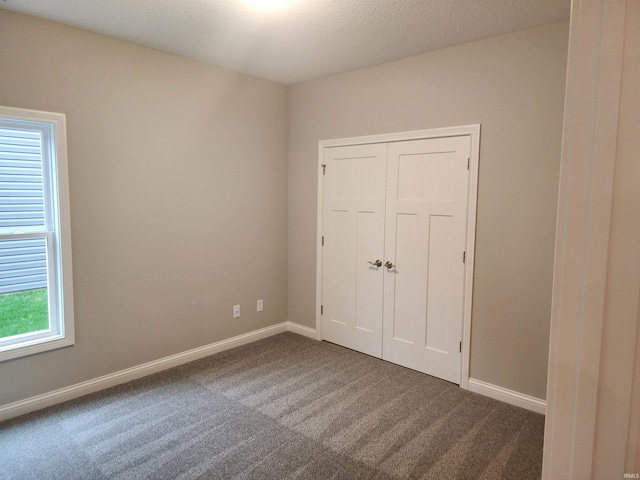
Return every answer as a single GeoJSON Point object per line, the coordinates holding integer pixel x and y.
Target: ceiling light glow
{"type": "Point", "coordinates": [268, 4]}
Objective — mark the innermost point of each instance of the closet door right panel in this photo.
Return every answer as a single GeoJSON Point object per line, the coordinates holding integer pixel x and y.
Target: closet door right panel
{"type": "Point", "coordinates": [425, 230]}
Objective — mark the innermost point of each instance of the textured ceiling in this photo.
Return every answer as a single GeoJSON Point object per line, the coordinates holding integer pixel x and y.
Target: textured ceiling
{"type": "Point", "coordinates": [305, 39]}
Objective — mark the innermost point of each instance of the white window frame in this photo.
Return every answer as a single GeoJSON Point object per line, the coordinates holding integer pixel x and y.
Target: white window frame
{"type": "Point", "coordinates": [57, 234]}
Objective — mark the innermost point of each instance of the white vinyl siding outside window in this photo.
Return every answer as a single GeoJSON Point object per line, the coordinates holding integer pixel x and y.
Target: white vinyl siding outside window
{"type": "Point", "coordinates": [35, 243]}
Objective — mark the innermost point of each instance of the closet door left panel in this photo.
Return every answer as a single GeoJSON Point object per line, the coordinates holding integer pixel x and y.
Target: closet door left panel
{"type": "Point", "coordinates": [353, 217]}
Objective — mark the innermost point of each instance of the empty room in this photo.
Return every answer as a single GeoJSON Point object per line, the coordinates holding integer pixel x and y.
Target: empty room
{"type": "Point", "coordinates": [375, 239]}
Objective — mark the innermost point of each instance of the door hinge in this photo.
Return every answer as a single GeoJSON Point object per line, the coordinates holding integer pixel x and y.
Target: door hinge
{"type": "Point", "coordinates": [460, 347]}
{"type": "Point", "coordinates": [321, 309]}
{"type": "Point", "coordinates": [468, 163]}
{"type": "Point", "coordinates": [464, 257]}
{"type": "Point", "coordinates": [324, 169]}
{"type": "Point", "coordinates": [323, 240]}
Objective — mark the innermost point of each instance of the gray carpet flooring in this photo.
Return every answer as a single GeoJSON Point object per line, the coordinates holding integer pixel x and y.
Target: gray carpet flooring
{"type": "Point", "coordinates": [285, 407]}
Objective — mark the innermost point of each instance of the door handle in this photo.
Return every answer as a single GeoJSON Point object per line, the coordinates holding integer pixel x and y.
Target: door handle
{"type": "Point", "coordinates": [389, 265]}
{"type": "Point", "coordinates": [377, 263]}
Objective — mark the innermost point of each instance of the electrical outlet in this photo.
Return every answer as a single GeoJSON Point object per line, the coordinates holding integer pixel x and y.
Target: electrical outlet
{"type": "Point", "coordinates": [236, 311]}
{"type": "Point", "coordinates": [260, 306]}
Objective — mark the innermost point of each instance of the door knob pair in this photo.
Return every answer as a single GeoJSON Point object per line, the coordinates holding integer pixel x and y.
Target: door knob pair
{"type": "Point", "coordinates": [378, 263]}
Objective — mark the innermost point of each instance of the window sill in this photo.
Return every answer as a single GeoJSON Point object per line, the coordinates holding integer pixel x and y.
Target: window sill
{"type": "Point", "coordinates": [31, 347]}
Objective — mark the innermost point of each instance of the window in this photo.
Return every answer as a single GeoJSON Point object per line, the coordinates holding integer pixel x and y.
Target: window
{"type": "Point", "coordinates": [36, 291]}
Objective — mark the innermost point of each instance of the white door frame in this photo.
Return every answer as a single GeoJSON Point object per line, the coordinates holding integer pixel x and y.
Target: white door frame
{"type": "Point", "coordinates": [474, 133]}
{"type": "Point", "coordinates": [592, 427]}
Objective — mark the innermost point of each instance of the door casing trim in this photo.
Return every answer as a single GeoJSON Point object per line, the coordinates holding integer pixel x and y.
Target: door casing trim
{"type": "Point", "coordinates": [473, 131]}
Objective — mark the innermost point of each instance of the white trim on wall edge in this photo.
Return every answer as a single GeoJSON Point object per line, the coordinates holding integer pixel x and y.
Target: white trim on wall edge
{"type": "Point", "coordinates": [90, 386]}
{"type": "Point", "coordinates": [302, 330]}
{"type": "Point", "coordinates": [508, 396]}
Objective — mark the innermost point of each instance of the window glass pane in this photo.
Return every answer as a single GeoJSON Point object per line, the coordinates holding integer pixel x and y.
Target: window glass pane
{"type": "Point", "coordinates": [21, 179]}
{"type": "Point", "coordinates": [24, 304]}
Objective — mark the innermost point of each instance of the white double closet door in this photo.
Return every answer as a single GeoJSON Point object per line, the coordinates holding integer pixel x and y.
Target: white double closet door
{"type": "Point", "coordinates": [404, 203]}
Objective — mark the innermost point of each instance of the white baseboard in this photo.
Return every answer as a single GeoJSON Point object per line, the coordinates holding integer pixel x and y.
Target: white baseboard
{"type": "Point", "coordinates": [508, 396]}
{"type": "Point", "coordinates": [84, 388]}
{"type": "Point", "coordinates": [302, 330]}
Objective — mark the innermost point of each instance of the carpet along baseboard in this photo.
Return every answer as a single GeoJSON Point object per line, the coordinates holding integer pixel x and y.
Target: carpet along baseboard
{"type": "Point", "coordinates": [90, 386]}
{"type": "Point", "coordinates": [508, 396]}
{"type": "Point", "coordinates": [84, 388]}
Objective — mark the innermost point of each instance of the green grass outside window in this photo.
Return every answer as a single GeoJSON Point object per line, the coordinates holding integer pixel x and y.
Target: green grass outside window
{"type": "Point", "coordinates": [23, 312]}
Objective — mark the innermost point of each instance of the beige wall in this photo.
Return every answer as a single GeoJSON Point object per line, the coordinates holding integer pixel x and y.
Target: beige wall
{"type": "Point", "coordinates": [178, 197]}
{"type": "Point", "coordinates": [178, 168]}
{"type": "Point", "coordinates": [513, 85]}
